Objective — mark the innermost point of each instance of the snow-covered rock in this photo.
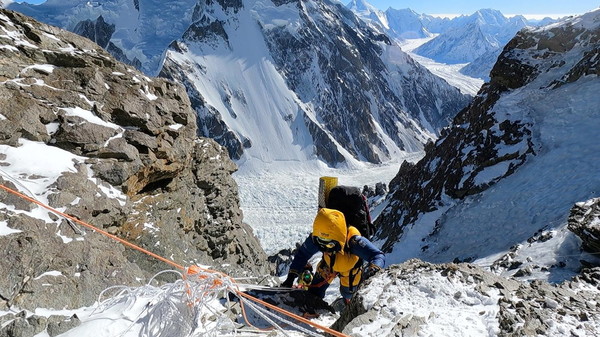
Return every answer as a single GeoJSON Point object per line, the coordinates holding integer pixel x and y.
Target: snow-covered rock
{"type": "Point", "coordinates": [584, 221]}
{"type": "Point", "coordinates": [369, 13]}
{"type": "Point", "coordinates": [418, 298]}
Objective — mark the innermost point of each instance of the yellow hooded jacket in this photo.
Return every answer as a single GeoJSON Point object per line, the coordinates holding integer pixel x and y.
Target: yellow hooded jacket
{"type": "Point", "coordinates": [331, 224]}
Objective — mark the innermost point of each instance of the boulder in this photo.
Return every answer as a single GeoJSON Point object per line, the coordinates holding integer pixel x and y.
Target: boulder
{"type": "Point", "coordinates": [584, 221]}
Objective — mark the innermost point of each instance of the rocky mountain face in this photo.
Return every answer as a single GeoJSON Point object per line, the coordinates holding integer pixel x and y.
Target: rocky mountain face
{"type": "Point", "coordinates": [357, 96]}
{"type": "Point", "coordinates": [520, 308]}
{"type": "Point", "coordinates": [516, 123]}
{"type": "Point", "coordinates": [138, 171]}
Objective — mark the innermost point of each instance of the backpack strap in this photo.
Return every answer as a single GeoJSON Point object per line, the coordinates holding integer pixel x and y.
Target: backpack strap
{"type": "Point", "coordinates": [370, 228]}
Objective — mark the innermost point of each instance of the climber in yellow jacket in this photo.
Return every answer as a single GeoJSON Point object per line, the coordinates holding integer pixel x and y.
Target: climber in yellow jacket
{"type": "Point", "coordinates": [344, 253]}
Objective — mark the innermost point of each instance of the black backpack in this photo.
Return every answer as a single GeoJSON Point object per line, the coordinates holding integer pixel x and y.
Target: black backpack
{"type": "Point", "coordinates": [350, 201]}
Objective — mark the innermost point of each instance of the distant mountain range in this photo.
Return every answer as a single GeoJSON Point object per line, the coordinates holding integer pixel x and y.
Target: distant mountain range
{"type": "Point", "coordinates": [476, 39]}
{"type": "Point", "coordinates": [466, 38]}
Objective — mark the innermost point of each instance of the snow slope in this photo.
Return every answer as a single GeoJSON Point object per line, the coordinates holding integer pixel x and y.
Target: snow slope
{"type": "Point", "coordinates": [549, 184]}
{"type": "Point", "coordinates": [280, 200]}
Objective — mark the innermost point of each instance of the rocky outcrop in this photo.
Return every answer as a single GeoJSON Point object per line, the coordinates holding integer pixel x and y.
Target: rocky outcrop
{"type": "Point", "coordinates": [138, 171]}
{"type": "Point", "coordinates": [23, 325]}
{"type": "Point", "coordinates": [584, 221]}
{"type": "Point", "coordinates": [388, 304]}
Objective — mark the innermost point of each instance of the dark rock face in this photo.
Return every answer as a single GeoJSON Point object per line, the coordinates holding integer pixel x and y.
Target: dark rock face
{"type": "Point", "coordinates": [98, 31]}
{"type": "Point", "coordinates": [584, 221]}
{"type": "Point", "coordinates": [524, 309]}
{"type": "Point", "coordinates": [141, 174]}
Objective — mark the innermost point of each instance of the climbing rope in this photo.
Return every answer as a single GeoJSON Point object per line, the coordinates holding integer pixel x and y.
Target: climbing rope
{"type": "Point", "coordinates": [167, 315]}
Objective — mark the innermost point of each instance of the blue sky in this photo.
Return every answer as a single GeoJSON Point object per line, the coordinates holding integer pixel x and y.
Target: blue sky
{"type": "Point", "coordinates": [525, 7]}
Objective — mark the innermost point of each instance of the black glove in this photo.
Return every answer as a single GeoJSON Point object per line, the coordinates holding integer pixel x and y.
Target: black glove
{"type": "Point", "coordinates": [289, 281]}
{"type": "Point", "coordinates": [370, 270]}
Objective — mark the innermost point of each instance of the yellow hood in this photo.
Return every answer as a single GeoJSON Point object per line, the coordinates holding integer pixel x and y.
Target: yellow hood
{"type": "Point", "coordinates": [330, 224]}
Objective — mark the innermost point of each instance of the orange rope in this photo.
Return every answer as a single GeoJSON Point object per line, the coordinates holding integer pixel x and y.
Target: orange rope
{"type": "Point", "coordinates": [191, 270]}
{"type": "Point", "coordinates": [114, 237]}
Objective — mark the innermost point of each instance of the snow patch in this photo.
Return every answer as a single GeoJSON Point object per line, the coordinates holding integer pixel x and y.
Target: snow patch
{"type": "Point", "coordinates": [4, 229]}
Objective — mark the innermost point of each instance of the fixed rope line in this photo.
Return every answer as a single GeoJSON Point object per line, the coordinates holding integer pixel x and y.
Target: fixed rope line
{"type": "Point", "coordinates": [190, 271]}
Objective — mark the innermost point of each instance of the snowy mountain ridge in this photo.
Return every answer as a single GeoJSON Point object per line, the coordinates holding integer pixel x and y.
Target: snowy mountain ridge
{"type": "Point", "coordinates": [266, 49]}
{"type": "Point", "coordinates": [512, 165]}
{"type": "Point", "coordinates": [475, 40]}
